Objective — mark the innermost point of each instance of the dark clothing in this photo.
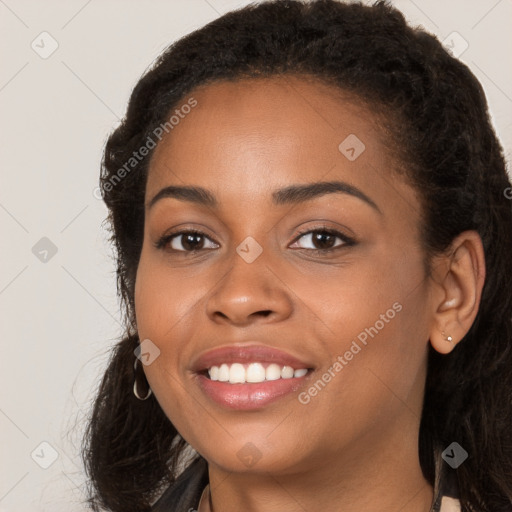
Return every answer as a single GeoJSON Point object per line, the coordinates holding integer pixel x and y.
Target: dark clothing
{"type": "Point", "coordinates": [186, 492]}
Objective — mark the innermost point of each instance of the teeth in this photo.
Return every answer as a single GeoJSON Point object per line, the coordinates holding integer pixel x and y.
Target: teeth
{"type": "Point", "coordinates": [214, 373]}
{"type": "Point", "coordinates": [287, 372]}
{"type": "Point", "coordinates": [255, 373]}
{"type": "Point", "coordinates": [237, 373]}
{"type": "Point", "coordinates": [273, 372]}
{"type": "Point", "coordinates": [224, 373]}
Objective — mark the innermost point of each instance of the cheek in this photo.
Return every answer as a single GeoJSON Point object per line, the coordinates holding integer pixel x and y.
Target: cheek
{"type": "Point", "coordinates": [158, 311]}
{"type": "Point", "coordinates": [167, 302]}
{"type": "Point", "coordinates": [162, 299]}
{"type": "Point", "coordinates": [376, 321]}
{"type": "Point", "coordinates": [161, 315]}
{"type": "Point", "coordinates": [375, 364]}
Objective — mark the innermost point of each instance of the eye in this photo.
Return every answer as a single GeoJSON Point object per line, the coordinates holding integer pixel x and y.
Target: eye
{"type": "Point", "coordinates": [185, 241]}
{"type": "Point", "coordinates": [323, 240]}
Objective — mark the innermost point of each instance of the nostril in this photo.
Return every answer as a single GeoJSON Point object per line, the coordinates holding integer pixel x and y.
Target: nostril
{"type": "Point", "coordinates": [264, 313]}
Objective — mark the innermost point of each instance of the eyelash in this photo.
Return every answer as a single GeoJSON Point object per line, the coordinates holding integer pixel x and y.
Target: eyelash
{"type": "Point", "coordinates": [347, 241]}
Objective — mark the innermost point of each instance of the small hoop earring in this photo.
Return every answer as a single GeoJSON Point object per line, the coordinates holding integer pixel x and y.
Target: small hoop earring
{"type": "Point", "coordinates": [138, 379]}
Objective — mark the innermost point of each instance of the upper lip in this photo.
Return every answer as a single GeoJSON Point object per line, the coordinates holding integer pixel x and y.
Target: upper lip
{"type": "Point", "coordinates": [245, 354]}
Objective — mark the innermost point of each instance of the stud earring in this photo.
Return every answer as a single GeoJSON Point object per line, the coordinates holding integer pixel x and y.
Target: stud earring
{"type": "Point", "coordinates": [449, 339]}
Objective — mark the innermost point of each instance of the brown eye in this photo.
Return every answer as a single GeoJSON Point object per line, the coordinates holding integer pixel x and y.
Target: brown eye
{"type": "Point", "coordinates": [323, 240]}
{"type": "Point", "coordinates": [186, 241]}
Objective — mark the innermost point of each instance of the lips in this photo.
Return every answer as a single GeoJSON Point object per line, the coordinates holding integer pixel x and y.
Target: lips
{"type": "Point", "coordinates": [247, 354]}
{"type": "Point", "coordinates": [250, 395]}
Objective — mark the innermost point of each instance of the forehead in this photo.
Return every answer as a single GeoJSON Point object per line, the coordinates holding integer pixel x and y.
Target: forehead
{"type": "Point", "coordinates": [260, 134]}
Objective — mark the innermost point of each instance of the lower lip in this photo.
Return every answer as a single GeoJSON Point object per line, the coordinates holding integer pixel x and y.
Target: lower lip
{"type": "Point", "coordinates": [249, 396]}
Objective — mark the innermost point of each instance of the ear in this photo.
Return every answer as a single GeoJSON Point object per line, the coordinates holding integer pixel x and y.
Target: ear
{"type": "Point", "coordinates": [458, 278]}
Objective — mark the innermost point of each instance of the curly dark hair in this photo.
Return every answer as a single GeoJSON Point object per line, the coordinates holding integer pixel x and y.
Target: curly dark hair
{"type": "Point", "coordinates": [437, 115]}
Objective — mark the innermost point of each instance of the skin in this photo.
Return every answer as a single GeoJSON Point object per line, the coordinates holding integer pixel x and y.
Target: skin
{"type": "Point", "coordinates": [354, 446]}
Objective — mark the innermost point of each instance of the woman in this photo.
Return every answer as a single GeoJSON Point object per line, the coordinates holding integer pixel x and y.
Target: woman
{"type": "Point", "coordinates": [313, 238]}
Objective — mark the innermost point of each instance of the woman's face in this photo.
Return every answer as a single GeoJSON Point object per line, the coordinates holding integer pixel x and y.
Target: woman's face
{"type": "Point", "coordinates": [256, 284]}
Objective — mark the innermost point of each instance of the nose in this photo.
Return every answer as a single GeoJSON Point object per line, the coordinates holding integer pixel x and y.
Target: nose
{"type": "Point", "coordinates": [248, 293]}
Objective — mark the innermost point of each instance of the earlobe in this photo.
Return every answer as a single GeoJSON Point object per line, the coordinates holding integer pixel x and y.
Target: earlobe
{"type": "Point", "coordinates": [460, 289]}
{"type": "Point", "coordinates": [444, 343]}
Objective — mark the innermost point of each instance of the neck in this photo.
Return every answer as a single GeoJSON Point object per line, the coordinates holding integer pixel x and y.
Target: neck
{"type": "Point", "coordinates": [383, 477]}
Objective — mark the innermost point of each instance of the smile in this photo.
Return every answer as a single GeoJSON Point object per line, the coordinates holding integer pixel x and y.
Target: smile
{"type": "Point", "coordinates": [249, 376]}
{"type": "Point", "coordinates": [255, 372]}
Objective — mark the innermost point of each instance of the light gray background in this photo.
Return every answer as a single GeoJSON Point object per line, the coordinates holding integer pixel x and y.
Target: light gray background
{"type": "Point", "coordinates": [59, 317]}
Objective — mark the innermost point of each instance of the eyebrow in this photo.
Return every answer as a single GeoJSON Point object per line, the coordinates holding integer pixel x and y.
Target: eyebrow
{"type": "Point", "coordinates": [292, 194]}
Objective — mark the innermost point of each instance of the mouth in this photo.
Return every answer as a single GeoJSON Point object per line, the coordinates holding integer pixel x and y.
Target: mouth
{"type": "Point", "coordinates": [249, 377]}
